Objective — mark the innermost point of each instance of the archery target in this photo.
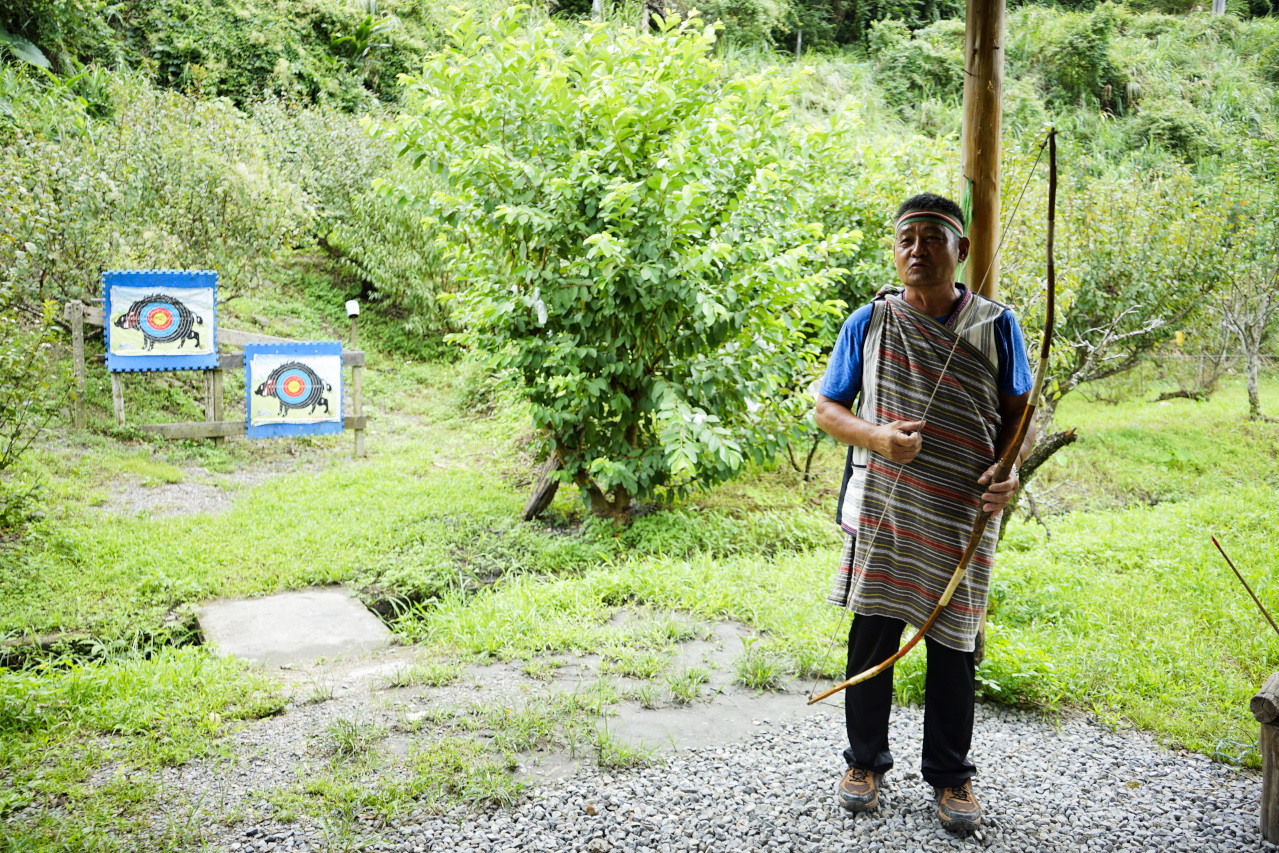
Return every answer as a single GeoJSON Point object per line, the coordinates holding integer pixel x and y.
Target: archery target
{"type": "Point", "coordinates": [294, 389]}
{"type": "Point", "coordinates": [149, 320]}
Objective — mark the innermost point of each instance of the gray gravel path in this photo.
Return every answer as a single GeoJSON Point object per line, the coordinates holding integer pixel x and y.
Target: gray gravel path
{"type": "Point", "coordinates": [1075, 786]}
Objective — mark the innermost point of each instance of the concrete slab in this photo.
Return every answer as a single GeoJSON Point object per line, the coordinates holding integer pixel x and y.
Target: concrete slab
{"type": "Point", "coordinates": [292, 627]}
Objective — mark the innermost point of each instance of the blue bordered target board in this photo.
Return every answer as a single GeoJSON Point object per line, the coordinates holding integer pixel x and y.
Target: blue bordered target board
{"type": "Point", "coordinates": [160, 319]}
{"type": "Point", "coordinates": [293, 389]}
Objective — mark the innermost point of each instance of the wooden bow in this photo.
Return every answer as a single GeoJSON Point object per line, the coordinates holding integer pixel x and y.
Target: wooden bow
{"type": "Point", "coordinates": [1009, 459]}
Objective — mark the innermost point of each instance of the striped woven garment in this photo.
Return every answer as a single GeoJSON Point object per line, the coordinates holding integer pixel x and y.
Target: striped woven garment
{"type": "Point", "coordinates": [902, 570]}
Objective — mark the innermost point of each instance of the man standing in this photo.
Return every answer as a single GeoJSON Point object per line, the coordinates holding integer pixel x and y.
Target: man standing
{"type": "Point", "coordinates": [940, 379]}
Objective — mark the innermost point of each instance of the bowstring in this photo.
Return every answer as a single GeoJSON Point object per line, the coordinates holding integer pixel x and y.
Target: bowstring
{"type": "Point", "coordinates": [901, 467]}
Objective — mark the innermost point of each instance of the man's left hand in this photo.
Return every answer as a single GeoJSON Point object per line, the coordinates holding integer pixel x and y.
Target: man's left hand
{"type": "Point", "coordinates": [998, 495]}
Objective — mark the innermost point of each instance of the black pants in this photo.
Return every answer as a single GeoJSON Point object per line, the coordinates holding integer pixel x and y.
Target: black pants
{"type": "Point", "coordinates": [948, 704]}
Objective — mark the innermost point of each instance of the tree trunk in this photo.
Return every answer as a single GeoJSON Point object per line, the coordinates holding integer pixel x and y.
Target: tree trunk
{"type": "Point", "coordinates": [1254, 367]}
{"type": "Point", "coordinates": [617, 509]}
{"type": "Point", "coordinates": [1043, 449]}
{"type": "Point", "coordinates": [544, 489]}
{"type": "Point", "coordinates": [652, 9]}
{"type": "Point", "coordinates": [1270, 782]}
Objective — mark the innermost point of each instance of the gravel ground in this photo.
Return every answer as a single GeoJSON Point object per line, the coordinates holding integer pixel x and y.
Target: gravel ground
{"type": "Point", "coordinates": [1073, 786]}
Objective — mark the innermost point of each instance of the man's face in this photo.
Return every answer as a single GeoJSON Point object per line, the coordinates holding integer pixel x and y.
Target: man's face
{"type": "Point", "coordinates": [927, 254]}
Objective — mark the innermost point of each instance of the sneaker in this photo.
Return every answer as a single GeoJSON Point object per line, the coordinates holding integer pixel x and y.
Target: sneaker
{"type": "Point", "coordinates": [957, 808]}
{"type": "Point", "coordinates": [859, 790]}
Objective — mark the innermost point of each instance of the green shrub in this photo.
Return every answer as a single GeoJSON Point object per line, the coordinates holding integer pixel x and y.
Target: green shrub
{"type": "Point", "coordinates": [633, 226]}
{"type": "Point", "coordinates": [1176, 127]}
{"type": "Point", "coordinates": [748, 21]}
{"type": "Point", "coordinates": [70, 33]}
{"type": "Point", "coordinates": [1268, 63]}
{"type": "Point", "coordinates": [325, 51]}
{"type": "Point", "coordinates": [169, 181]}
{"type": "Point", "coordinates": [33, 387]}
{"type": "Point", "coordinates": [911, 68]}
{"type": "Point", "coordinates": [385, 245]}
{"type": "Point", "coordinates": [827, 22]}
{"type": "Point", "coordinates": [1070, 53]}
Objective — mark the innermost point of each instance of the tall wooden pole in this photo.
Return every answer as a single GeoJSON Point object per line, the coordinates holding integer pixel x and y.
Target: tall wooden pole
{"type": "Point", "coordinates": [983, 120]}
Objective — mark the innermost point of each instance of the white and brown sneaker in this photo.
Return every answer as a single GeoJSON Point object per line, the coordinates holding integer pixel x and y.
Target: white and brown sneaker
{"type": "Point", "coordinates": [957, 808]}
{"type": "Point", "coordinates": [859, 790]}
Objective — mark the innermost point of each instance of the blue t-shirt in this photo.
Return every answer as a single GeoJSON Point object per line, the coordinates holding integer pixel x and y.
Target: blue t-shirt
{"type": "Point", "coordinates": [843, 378]}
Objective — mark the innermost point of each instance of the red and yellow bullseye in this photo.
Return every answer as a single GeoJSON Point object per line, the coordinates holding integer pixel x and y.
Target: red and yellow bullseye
{"type": "Point", "coordinates": [294, 386]}
{"type": "Point", "coordinates": [159, 318]}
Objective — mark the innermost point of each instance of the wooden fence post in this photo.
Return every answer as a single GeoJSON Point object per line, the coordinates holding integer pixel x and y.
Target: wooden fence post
{"type": "Point", "coordinates": [219, 407]}
{"type": "Point", "coordinates": [1265, 708]}
{"type": "Point", "coordinates": [117, 398]}
{"type": "Point", "coordinates": [357, 401]}
{"type": "Point", "coordinates": [75, 315]}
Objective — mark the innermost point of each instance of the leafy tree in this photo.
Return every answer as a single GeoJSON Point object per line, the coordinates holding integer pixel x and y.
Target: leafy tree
{"type": "Point", "coordinates": [1135, 258]}
{"type": "Point", "coordinates": [1249, 301]}
{"type": "Point", "coordinates": [32, 387]}
{"type": "Point", "coordinates": [631, 220]}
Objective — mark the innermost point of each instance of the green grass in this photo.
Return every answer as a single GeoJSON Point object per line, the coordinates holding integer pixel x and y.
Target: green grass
{"type": "Point", "coordinates": [350, 738]}
{"type": "Point", "coordinates": [61, 724]}
{"type": "Point", "coordinates": [1142, 620]}
{"type": "Point", "coordinates": [686, 684]}
{"type": "Point", "coordinates": [1124, 611]}
{"type": "Point", "coordinates": [435, 775]}
{"type": "Point", "coordinates": [759, 667]}
{"type": "Point", "coordinates": [1134, 451]}
{"type": "Point", "coordinates": [430, 674]}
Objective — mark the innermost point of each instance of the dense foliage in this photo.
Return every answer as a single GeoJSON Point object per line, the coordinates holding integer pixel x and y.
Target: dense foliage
{"type": "Point", "coordinates": [634, 227]}
{"type": "Point", "coordinates": [321, 50]}
{"type": "Point", "coordinates": [104, 167]}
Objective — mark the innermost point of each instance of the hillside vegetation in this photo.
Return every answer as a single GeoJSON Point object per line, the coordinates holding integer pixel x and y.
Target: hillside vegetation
{"type": "Point", "coordinates": [632, 249]}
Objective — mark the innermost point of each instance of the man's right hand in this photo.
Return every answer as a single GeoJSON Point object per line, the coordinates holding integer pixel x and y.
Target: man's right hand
{"type": "Point", "coordinates": [899, 441]}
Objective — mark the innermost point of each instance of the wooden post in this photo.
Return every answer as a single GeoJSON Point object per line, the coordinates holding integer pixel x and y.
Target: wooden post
{"type": "Point", "coordinates": [983, 122]}
{"type": "Point", "coordinates": [1265, 705]}
{"type": "Point", "coordinates": [357, 403]}
{"type": "Point", "coordinates": [219, 407]}
{"type": "Point", "coordinates": [208, 396]}
{"type": "Point", "coordinates": [117, 398]}
{"type": "Point", "coordinates": [1265, 708]}
{"type": "Point", "coordinates": [75, 316]}
{"type": "Point", "coordinates": [1270, 782]}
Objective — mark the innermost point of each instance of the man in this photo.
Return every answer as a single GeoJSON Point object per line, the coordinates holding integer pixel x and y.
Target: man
{"type": "Point", "coordinates": [940, 379]}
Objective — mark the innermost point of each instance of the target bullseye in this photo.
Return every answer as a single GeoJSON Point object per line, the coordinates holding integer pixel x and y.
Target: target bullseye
{"type": "Point", "coordinates": [160, 319]}
{"type": "Point", "coordinates": [294, 386]}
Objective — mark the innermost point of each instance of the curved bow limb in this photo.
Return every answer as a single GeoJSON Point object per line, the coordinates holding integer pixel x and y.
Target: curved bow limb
{"type": "Point", "coordinates": [1009, 459]}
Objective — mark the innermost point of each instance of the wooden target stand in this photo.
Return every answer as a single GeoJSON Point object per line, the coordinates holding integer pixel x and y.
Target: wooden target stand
{"type": "Point", "coordinates": [214, 425]}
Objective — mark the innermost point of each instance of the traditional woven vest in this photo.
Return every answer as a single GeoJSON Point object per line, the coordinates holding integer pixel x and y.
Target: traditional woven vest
{"type": "Point", "coordinates": [907, 548]}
